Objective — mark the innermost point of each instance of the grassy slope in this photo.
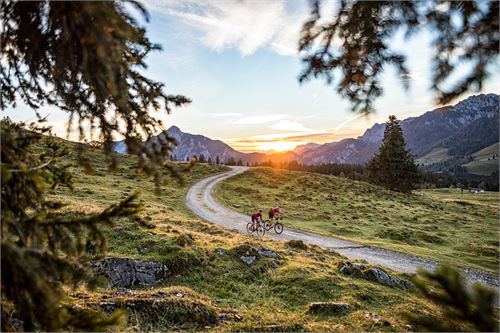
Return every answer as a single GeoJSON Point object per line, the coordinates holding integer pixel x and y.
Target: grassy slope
{"type": "Point", "coordinates": [265, 298]}
{"type": "Point", "coordinates": [461, 229]}
{"type": "Point", "coordinates": [436, 155]}
{"type": "Point", "coordinates": [481, 165]}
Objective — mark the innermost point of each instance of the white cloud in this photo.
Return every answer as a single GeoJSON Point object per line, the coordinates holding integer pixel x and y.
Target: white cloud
{"type": "Point", "coordinates": [244, 25]}
{"type": "Point", "coordinates": [287, 125]}
{"type": "Point", "coordinates": [224, 114]}
{"type": "Point", "coordinates": [262, 119]}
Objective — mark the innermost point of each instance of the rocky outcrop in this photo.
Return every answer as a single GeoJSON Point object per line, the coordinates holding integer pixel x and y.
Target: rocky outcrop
{"type": "Point", "coordinates": [248, 259]}
{"type": "Point", "coordinates": [127, 273]}
{"type": "Point", "coordinates": [374, 274]}
{"type": "Point", "coordinates": [158, 310]}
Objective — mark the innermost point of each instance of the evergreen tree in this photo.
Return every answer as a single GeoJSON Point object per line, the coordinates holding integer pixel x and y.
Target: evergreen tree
{"type": "Point", "coordinates": [85, 58]}
{"type": "Point", "coordinates": [393, 167]}
{"type": "Point", "coordinates": [209, 161]}
{"type": "Point", "coordinates": [472, 306]}
{"type": "Point", "coordinates": [240, 162]}
{"type": "Point", "coordinates": [217, 160]}
{"type": "Point", "coordinates": [201, 158]}
{"type": "Point", "coordinates": [188, 159]}
{"type": "Point", "coordinates": [355, 45]}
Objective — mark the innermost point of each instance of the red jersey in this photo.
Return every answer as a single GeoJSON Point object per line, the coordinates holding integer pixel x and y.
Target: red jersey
{"type": "Point", "coordinates": [256, 217]}
{"type": "Point", "coordinates": [273, 211]}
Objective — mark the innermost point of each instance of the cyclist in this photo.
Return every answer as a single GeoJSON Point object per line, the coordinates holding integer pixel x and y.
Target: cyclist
{"type": "Point", "coordinates": [257, 216]}
{"type": "Point", "coordinates": [274, 213]}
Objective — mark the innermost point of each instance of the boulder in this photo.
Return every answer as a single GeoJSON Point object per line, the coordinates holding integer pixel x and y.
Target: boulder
{"type": "Point", "coordinates": [248, 259]}
{"type": "Point", "coordinates": [374, 274]}
{"type": "Point", "coordinates": [381, 276]}
{"type": "Point", "coordinates": [328, 308]}
{"type": "Point", "coordinates": [220, 251]}
{"type": "Point", "coordinates": [126, 273]}
{"type": "Point", "coordinates": [267, 253]}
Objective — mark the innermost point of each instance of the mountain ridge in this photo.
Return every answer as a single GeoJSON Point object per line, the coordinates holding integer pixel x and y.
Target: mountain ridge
{"type": "Point", "coordinates": [472, 123]}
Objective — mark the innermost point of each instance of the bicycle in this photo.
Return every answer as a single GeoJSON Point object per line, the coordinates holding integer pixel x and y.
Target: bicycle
{"type": "Point", "coordinates": [278, 227]}
{"type": "Point", "coordinates": [256, 227]}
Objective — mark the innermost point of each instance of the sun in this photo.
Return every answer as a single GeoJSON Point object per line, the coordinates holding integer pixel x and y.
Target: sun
{"type": "Point", "coordinates": [277, 145]}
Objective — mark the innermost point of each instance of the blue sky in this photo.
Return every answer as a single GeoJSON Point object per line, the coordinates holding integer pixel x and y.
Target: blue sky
{"type": "Point", "coordinates": [237, 61]}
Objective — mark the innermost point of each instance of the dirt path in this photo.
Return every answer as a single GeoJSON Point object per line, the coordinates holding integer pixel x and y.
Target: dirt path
{"type": "Point", "coordinates": [201, 201]}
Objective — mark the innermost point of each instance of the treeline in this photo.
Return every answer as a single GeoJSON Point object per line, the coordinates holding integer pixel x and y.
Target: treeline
{"type": "Point", "coordinates": [352, 171]}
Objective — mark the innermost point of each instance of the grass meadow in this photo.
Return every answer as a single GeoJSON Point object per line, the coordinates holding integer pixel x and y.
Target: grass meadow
{"type": "Point", "coordinates": [258, 297]}
{"type": "Point", "coordinates": [436, 224]}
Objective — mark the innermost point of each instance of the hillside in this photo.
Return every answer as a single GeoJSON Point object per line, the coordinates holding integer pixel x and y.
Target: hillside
{"type": "Point", "coordinates": [424, 224]}
{"type": "Point", "coordinates": [462, 129]}
{"type": "Point", "coordinates": [210, 288]}
{"type": "Point", "coordinates": [453, 131]}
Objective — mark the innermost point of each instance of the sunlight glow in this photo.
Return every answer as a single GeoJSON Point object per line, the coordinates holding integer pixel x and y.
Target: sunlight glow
{"type": "Point", "coordinates": [277, 145]}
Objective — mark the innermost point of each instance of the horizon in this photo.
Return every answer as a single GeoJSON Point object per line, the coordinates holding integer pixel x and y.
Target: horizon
{"type": "Point", "coordinates": [240, 68]}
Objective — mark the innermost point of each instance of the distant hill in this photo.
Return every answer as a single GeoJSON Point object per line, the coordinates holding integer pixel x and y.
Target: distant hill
{"type": "Point", "coordinates": [447, 133]}
{"type": "Point", "coordinates": [455, 130]}
{"type": "Point", "coordinates": [194, 145]}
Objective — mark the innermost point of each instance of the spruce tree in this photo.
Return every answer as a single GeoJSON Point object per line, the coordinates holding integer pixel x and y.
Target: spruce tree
{"type": "Point", "coordinates": [86, 59]}
{"type": "Point", "coordinates": [393, 167]}
{"type": "Point", "coordinates": [353, 45]}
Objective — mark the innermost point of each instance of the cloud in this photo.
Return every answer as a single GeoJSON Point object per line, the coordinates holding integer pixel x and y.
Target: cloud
{"type": "Point", "coordinates": [224, 114]}
{"type": "Point", "coordinates": [244, 25]}
{"type": "Point", "coordinates": [261, 119]}
{"type": "Point", "coordinates": [287, 125]}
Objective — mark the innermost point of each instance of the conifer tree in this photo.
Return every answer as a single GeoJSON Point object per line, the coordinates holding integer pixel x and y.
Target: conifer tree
{"type": "Point", "coordinates": [353, 45]}
{"type": "Point", "coordinates": [217, 160]}
{"type": "Point", "coordinates": [85, 58]}
{"type": "Point", "coordinates": [465, 308]}
{"type": "Point", "coordinates": [393, 167]}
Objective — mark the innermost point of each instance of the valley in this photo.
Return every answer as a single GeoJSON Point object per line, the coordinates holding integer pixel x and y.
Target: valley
{"type": "Point", "coordinates": [210, 288]}
{"type": "Point", "coordinates": [436, 224]}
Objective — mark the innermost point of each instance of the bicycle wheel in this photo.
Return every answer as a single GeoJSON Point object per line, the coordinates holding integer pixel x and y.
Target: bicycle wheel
{"type": "Point", "coordinates": [260, 230]}
{"type": "Point", "coordinates": [278, 228]}
{"type": "Point", "coordinates": [250, 227]}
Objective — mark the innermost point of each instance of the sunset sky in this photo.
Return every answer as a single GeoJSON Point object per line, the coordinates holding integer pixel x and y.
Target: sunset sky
{"type": "Point", "coordinates": [237, 61]}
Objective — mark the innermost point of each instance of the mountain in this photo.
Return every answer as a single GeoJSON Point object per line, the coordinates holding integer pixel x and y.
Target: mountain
{"type": "Point", "coordinates": [451, 132]}
{"type": "Point", "coordinates": [307, 147]}
{"type": "Point", "coordinates": [190, 145]}
{"type": "Point", "coordinates": [462, 129]}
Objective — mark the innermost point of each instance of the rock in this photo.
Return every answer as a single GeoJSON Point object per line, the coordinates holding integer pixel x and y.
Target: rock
{"type": "Point", "coordinates": [126, 273]}
{"type": "Point", "coordinates": [187, 311]}
{"type": "Point", "coordinates": [374, 274]}
{"type": "Point", "coordinates": [409, 328]}
{"type": "Point", "coordinates": [381, 276]}
{"type": "Point", "coordinates": [248, 259]}
{"type": "Point", "coordinates": [220, 251]}
{"type": "Point", "coordinates": [348, 268]}
{"type": "Point", "coordinates": [275, 264]}
{"type": "Point", "coordinates": [236, 206]}
{"type": "Point", "coordinates": [108, 306]}
{"type": "Point", "coordinates": [179, 295]}
{"type": "Point", "coordinates": [267, 253]}
{"type": "Point", "coordinates": [328, 308]}
{"type": "Point", "coordinates": [245, 250]}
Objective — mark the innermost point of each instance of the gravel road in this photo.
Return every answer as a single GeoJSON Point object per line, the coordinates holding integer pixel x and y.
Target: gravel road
{"type": "Point", "coordinates": [201, 201]}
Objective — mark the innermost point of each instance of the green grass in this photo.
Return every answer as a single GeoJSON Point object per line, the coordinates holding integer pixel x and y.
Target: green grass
{"type": "Point", "coordinates": [258, 297]}
{"type": "Point", "coordinates": [441, 225]}
{"type": "Point", "coordinates": [436, 155]}
{"type": "Point", "coordinates": [483, 164]}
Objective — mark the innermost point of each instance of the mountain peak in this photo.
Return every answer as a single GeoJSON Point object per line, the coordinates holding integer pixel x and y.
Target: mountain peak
{"type": "Point", "coordinates": [174, 129]}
